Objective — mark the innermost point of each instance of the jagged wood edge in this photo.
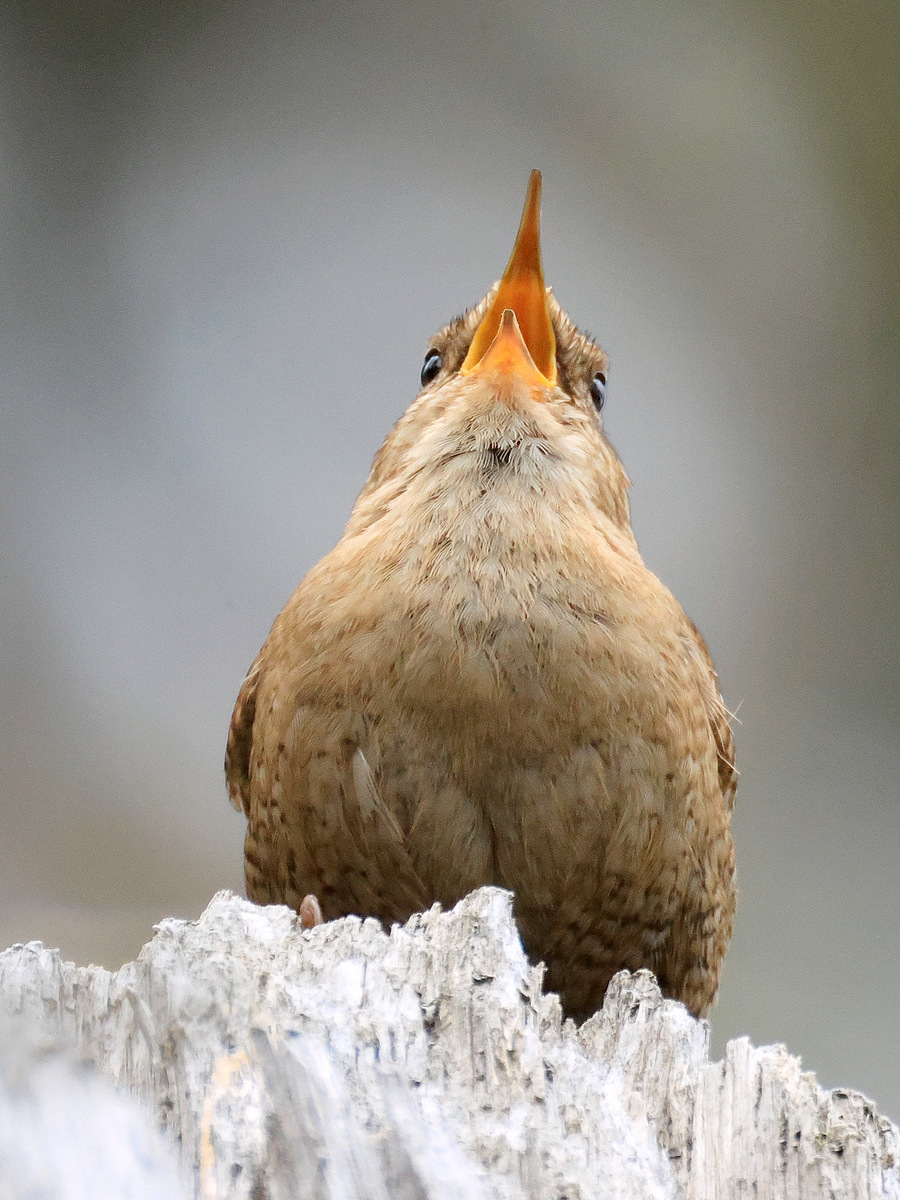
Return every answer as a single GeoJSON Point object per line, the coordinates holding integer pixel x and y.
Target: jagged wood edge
{"type": "Point", "coordinates": [199, 990]}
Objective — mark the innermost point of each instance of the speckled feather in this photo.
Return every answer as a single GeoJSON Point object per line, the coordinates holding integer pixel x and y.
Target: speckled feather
{"type": "Point", "coordinates": [483, 683]}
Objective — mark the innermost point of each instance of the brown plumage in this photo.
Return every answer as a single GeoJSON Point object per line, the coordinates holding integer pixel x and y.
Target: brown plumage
{"type": "Point", "coordinates": [483, 684]}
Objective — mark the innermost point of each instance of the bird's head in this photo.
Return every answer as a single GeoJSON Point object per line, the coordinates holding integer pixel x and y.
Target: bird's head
{"type": "Point", "coordinates": [511, 398]}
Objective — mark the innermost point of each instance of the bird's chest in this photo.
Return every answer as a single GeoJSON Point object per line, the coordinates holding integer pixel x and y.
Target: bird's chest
{"type": "Point", "coordinates": [507, 599]}
{"type": "Point", "coordinates": [495, 620]}
{"type": "Point", "coordinates": [519, 690]}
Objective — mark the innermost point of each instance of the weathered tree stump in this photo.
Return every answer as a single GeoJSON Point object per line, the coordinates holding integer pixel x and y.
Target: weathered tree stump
{"type": "Point", "coordinates": [346, 1063]}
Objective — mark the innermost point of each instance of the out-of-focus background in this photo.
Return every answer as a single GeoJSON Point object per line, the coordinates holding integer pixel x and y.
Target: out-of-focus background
{"type": "Point", "coordinates": [227, 232]}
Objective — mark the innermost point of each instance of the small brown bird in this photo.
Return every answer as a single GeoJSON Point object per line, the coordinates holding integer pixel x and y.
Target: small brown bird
{"type": "Point", "coordinates": [483, 684]}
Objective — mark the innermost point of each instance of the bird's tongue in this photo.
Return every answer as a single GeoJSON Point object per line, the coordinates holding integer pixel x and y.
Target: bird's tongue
{"type": "Point", "coordinates": [521, 292]}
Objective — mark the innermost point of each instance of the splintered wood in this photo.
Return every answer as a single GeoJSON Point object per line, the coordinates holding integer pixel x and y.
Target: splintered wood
{"type": "Point", "coordinates": [341, 1062]}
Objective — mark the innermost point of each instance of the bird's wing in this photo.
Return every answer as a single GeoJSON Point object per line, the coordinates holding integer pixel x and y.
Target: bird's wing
{"type": "Point", "coordinates": [240, 740]}
{"type": "Point", "coordinates": [320, 823]}
{"type": "Point", "coordinates": [719, 720]}
{"type": "Point", "coordinates": [718, 717]}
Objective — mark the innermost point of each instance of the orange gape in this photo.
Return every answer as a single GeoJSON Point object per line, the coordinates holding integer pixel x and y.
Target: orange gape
{"type": "Point", "coordinates": [483, 684]}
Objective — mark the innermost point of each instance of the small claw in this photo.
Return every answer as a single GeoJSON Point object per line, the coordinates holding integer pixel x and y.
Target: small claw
{"type": "Point", "coordinates": [311, 912]}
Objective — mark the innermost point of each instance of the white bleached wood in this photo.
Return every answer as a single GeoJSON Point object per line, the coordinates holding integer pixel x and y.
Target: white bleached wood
{"type": "Point", "coordinates": [65, 1134]}
{"type": "Point", "coordinates": [346, 1063]}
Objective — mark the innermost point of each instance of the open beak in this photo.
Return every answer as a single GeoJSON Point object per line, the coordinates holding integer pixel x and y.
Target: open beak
{"type": "Point", "coordinates": [516, 334]}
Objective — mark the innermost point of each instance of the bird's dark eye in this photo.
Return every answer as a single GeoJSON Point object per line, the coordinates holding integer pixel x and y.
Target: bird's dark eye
{"type": "Point", "coordinates": [598, 390]}
{"type": "Point", "coordinates": [432, 364]}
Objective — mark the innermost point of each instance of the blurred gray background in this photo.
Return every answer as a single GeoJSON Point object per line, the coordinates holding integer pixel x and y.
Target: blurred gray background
{"type": "Point", "coordinates": [227, 233]}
